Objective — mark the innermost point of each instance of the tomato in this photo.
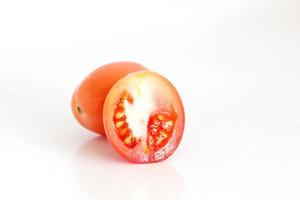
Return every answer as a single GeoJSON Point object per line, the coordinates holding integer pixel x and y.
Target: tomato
{"type": "Point", "coordinates": [144, 117]}
{"type": "Point", "coordinates": [88, 98]}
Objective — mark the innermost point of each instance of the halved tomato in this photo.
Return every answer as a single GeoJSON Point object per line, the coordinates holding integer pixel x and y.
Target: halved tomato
{"type": "Point", "coordinates": [144, 117]}
{"type": "Point", "coordinates": [88, 98]}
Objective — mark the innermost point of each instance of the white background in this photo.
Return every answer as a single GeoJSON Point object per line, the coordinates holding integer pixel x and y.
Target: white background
{"type": "Point", "coordinates": [236, 64]}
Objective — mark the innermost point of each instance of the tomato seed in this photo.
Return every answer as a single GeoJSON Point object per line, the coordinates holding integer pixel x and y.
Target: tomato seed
{"type": "Point", "coordinates": [128, 140]}
{"type": "Point", "coordinates": [160, 117]}
{"type": "Point", "coordinates": [119, 115]}
{"type": "Point", "coordinates": [119, 124]}
{"type": "Point", "coordinates": [124, 131]}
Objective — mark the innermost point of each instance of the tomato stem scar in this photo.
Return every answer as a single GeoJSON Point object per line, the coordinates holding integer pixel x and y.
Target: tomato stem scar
{"type": "Point", "coordinates": [79, 110]}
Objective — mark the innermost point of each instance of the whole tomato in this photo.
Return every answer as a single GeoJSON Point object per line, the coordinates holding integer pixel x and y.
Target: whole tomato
{"type": "Point", "coordinates": [88, 98]}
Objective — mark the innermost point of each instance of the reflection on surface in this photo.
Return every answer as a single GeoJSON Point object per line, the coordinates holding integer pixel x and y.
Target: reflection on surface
{"type": "Point", "coordinates": [101, 174]}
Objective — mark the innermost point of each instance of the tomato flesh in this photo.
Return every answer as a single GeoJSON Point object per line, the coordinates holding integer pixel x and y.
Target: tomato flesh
{"type": "Point", "coordinates": [144, 117]}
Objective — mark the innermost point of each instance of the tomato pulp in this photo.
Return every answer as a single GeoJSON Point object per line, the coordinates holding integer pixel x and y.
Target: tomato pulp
{"type": "Point", "coordinates": [88, 98]}
{"type": "Point", "coordinates": [143, 117]}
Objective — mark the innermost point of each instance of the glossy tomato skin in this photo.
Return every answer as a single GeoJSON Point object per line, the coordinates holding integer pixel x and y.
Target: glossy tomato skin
{"type": "Point", "coordinates": [164, 93]}
{"type": "Point", "coordinates": [88, 98]}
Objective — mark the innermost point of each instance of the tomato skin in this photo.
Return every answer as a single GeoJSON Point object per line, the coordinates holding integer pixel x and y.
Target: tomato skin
{"type": "Point", "coordinates": [164, 92]}
{"type": "Point", "coordinates": [88, 98]}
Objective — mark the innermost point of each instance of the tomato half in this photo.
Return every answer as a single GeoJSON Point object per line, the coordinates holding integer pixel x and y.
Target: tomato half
{"type": "Point", "coordinates": [88, 98]}
{"type": "Point", "coordinates": [144, 117]}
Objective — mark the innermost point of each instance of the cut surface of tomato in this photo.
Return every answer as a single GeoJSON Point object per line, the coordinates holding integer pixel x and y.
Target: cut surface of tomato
{"type": "Point", "coordinates": [144, 117]}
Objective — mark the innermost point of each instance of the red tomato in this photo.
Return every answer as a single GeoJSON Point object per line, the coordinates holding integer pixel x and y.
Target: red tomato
{"type": "Point", "coordinates": [89, 96]}
{"type": "Point", "coordinates": [144, 117]}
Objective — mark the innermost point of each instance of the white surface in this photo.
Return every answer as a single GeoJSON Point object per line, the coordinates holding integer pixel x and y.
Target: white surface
{"type": "Point", "coordinates": [235, 63]}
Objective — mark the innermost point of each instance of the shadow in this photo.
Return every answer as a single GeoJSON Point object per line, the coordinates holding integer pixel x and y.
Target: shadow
{"type": "Point", "coordinates": [98, 149]}
{"type": "Point", "coordinates": [101, 174]}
